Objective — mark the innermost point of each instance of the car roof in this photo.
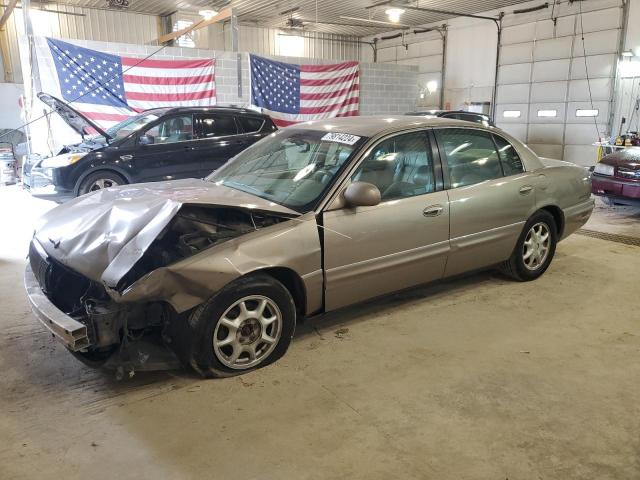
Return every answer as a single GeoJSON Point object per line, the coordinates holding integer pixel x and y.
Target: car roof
{"type": "Point", "coordinates": [369, 126]}
{"type": "Point", "coordinates": [235, 110]}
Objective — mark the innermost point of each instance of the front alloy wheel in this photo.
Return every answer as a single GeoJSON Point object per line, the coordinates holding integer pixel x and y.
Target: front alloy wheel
{"type": "Point", "coordinates": [246, 325]}
{"type": "Point", "coordinates": [247, 332]}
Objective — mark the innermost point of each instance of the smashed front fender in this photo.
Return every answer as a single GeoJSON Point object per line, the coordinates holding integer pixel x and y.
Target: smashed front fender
{"type": "Point", "coordinates": [293, 244]}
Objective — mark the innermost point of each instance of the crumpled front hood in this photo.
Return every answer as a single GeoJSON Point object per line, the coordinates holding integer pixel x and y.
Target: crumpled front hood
{"type": "Point", "coordinates": [102, 235]}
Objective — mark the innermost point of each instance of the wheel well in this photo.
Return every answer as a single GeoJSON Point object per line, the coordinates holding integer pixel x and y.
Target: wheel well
{"type": "Point", "coordinates": [292, 281]}
{"type": "Point", "coordinates": [558, 216]}
{"type": "Point", "coordinates": [98, 170]}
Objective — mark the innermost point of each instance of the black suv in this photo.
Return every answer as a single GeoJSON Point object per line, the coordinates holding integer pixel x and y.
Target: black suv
{"type": "Point", "coordinates": [474, 117]}
{"type": "Point", "coordinates": [158, 144]}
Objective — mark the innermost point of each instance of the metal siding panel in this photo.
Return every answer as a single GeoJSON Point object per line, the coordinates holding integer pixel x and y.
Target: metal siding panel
{"type": "Point", "coordinates": [600, 89]}
{"type": "Point", "coordinates": [523, 108]}
{"type": "Point", "coordinates": [584, 155]}
{"type": "Point", "coordinates": [519, 53]}
{"type": "Point", "coordinates": [546, 150]}
{"type": "Point", "coordinates": [596, 43]}
{"type": "Point", "coordinates": [551, 70]}
{"type": "Point", "coordinates": [548, 92]}
{"type": "Point", "coordinates": [519, 33]}
{"type": "Point", "coordinates": [602, 107]}
{"type": "Point", "coordinates": [545, 134]}
{"type": "Point", "coordinates": [552, 49]}
{"type": "Point", "coordinates": [598, 65]}
{"type": "Point", "coordinates": [517, 130]}
{"type": "Point", "coordinates": [581, 133]}
{"type": "Point", "coordinates": [513, 93]}
{"type": "Point", "coordinates": [516, 73]}
{"type": "Point", "coordinates": [535, 107]}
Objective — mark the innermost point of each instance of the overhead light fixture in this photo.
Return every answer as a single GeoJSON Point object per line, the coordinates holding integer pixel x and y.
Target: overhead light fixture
{"type": "Point", "coordinates": [432, 86]}
{"type": "Point", "coordinates": [627, 53]}
{"type": "Point", "coordinates": [394, 14]}
{"type": "Point", "coordinates": [208, 14]}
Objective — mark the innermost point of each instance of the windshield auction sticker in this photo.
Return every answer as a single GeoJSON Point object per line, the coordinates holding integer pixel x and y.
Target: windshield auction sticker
{"type": "Point", "coordinates": [341, 138]}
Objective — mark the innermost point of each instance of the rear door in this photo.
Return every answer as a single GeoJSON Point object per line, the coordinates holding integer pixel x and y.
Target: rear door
{"type": "Point", "coordinates": [170, 154]}
{"type": "Point", "coordinates": [219, 139]}
{"type": "Point", "coordinates": [490, 196]}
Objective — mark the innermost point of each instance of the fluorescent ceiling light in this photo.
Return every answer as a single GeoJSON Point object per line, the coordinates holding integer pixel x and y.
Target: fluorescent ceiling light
{"type": "Point", "coordinates": [547, 113]}
{"type": "Point", "coordinates": [511, 114]}
{"type": "Point", "coordinates": [627, 53]}
{"type": "Point", "coordinates": [583, 112]}
{"type": "Point", "coordinates": [208, 14]}
{"type": "Point", "coordinates": [394, 14]}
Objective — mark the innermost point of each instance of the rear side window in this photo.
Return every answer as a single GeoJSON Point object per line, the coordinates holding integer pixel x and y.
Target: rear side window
{"type": "Point", "coordinates": [470, 155]}
{"type": "Point", "coordinates": [209, 126]}
{"type": "Point", "coordinates": [251, 124]}
{"type": "Point", "coordinates": [511, 163]}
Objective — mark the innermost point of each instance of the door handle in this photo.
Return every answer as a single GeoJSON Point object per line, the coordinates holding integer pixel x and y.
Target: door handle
{"type": "Point", "coordinates": [433, 211]}
{"type": "Point", "coordinates": [525, 190]}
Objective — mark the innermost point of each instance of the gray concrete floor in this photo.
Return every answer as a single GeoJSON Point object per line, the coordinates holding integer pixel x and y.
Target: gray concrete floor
{"type": "Point", "coordinates": [478, 378]}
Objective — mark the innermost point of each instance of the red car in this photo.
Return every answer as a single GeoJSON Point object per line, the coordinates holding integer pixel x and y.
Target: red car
{"type": "Point", "coordinates": [616, 178]}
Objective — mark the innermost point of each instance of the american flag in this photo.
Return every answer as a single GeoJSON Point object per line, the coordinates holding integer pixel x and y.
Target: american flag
{"type": "Point", "coordinates": [109, 88]}
{"type": "Point", "coordinates": [292, 93]}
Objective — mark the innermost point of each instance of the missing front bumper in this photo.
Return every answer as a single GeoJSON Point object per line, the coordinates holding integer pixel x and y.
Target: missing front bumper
{"type": "Point", "coordinates": [70, 332]}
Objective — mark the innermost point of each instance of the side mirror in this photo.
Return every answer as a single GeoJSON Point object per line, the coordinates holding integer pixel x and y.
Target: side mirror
{"type": "Point", "coordinates": [362, 194]}
{"type": "Point", "coordinates": [146, 140]}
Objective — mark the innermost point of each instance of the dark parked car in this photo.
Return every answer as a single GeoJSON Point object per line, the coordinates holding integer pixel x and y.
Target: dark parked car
{"type": "Point", "coordinates": [474, 117]}
{"type": "Point", "coordinates": [616, 178]}
{"type": "Point", "coordinates": [156, 145]}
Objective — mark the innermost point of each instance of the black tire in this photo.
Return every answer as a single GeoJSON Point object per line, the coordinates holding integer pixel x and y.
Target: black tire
{"type": "Point", "coordinates": [202, 355]}
{"type": "Point", "coordinates": [109, 179]}
{"type": "Point", "coordinates": [516, 267]}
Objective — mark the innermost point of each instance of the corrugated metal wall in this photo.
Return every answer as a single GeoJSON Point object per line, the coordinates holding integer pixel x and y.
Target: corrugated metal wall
{"type": "Point", "coordinates": [84, 24]}
{"type": "Point", "coordinates": [135, 28]}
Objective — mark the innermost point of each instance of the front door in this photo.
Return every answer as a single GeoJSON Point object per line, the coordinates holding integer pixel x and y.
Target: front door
{"type": "Point", "coordinates": [403, 241]}
{"type": "Point", "coordinates": [167, 151]}
{"type": "Point", "coordinates": [490, 195]}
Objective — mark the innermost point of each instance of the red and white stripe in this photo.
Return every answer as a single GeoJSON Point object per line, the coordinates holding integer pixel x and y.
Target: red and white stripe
{"type": "Point", "coordinates": [326, 91]}
{"type": "Point", "coordinates": [157, 83]}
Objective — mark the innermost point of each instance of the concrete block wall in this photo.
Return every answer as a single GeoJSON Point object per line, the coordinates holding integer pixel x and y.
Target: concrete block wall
{"type": "Point", "coordinates": [388, 88]}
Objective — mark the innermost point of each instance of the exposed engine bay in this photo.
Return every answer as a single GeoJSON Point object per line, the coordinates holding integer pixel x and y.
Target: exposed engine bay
{"type": "Point", "coordinates": [112, 327]}
{"type": "Point", "coordinates": [193, 229]}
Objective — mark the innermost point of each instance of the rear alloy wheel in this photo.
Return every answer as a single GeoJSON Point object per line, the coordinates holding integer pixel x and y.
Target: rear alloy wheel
{"type": "Point", "coordinates": [535, 248]}
{"type": "Point", "coordinates": [246, 325]}
{"type": "Point", "coordinates": [99, 181]}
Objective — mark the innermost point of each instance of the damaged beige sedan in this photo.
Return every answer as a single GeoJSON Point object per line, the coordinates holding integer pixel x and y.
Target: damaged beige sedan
{"type": "Point", "coordinates": [310, 219]}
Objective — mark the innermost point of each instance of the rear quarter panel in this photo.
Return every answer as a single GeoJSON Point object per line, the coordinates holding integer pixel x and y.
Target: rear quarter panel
{"type": "Point", "coordinates": [567, 186]}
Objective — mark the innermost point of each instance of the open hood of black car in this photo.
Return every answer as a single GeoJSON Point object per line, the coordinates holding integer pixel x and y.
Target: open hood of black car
{"type": "Point", "coordinates": [74, 119]}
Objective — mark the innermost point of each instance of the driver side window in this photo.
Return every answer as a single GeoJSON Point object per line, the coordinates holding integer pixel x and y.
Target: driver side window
{"type": "Point", "coordinates": [401, 167]}
{"type": "Point", "coordinates": [174, 129]}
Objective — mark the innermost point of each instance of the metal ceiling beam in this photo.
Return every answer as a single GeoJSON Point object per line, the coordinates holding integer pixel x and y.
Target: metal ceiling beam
{"type": "Point", "coordinates": [222, 15]}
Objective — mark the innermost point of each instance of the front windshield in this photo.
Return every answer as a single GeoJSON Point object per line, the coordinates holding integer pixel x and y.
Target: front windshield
{"type": "Point", "coordinates": [130, 125]}
{"type": "Point", "coordinates": [291, 167]}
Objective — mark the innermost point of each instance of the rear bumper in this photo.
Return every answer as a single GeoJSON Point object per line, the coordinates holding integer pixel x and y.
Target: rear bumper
{"type": "Point", "coordinates": [576, 216]}
{"type": "Point", "coordinates": [614, 187]}
{"type": "Point", "coordinates": [70, 332]}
